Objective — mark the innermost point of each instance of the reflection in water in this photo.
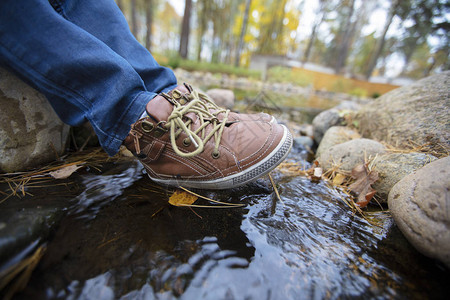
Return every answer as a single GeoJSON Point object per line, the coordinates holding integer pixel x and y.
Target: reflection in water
{"type": "Point", "coordinates": [122, 240]}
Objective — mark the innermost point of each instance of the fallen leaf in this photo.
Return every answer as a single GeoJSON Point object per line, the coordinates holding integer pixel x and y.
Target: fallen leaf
{"type": "Point", "coordinates": [339, 179]}
{"type": "Point", "coordinates": [364, 178]}
{"type": "Point", "coordinates": [64, 172]}
{"type": "Point", "coordinates": [182, 198]}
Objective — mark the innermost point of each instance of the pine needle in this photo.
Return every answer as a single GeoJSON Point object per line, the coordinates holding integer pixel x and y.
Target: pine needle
{"type": "Point", "coordinates": [18, 275]}
{"type": "Point", "coordinates": [275, 188]}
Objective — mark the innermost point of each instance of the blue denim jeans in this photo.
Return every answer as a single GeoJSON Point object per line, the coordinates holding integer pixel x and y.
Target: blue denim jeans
{"type": "Point", "coordinates": [82, 56]}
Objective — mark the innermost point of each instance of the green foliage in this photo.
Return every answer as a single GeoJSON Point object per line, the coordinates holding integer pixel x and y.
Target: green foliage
{"type": "Point", "coordinates": [358, 92]}
{"type": "Point", "coordinates": [191, 65]}
{"type": "Point", "coordinates": [376, 95]}
{"type": "Point", "coordinates": [174, 61]}
{"type": "Point", "coordinates": [283, 74]}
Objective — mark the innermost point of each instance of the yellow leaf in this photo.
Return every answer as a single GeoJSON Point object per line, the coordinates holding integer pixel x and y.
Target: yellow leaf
{"type": "Point", "coordinates": [182, 198]}
{"type": "Point", "coordinates": [338, 179]}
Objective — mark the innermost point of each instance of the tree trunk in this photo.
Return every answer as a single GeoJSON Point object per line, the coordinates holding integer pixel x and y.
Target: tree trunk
{"type": "Point", "coordinates": [322, 13]}
{"type": "Point", "coordinates": [202, 16]}
{"type": "Point", "coordinates": [134, 26]}
{"type": "Point", "coordinates": [345, 43]}
{"type": "Point", "coordinates": [185, 28]}
{"type": "Point", "coordinates": [380, 43]}
{"type": "Point", "coordinates": [149, 22]}
{"type": "Point", "coordinates": [312, 38]}
{"type": "Point", "coordinates": [237, 57]}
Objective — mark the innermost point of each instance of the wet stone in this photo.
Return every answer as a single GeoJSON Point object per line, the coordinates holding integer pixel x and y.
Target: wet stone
{"type": "Point", "coordinates": [31, 218]}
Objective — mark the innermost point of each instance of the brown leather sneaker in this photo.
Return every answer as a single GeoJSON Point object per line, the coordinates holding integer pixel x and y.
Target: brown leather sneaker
{"type": "Point", "coordinates": [187, 141]}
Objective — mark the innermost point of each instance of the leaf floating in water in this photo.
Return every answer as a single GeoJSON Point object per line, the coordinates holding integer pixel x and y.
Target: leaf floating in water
{"type": "Point", "coordinates": [185, 197]}
{"type": "Point", "coordinates": [64, 172]}
{"type": "Point", "coordinates": [182, 198]}
{"type": "Point", "coordinates": [362, 186]}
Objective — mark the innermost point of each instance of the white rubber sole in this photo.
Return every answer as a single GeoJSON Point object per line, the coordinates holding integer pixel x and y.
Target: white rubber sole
{"type": "Point", "coordinates": [254, 172]}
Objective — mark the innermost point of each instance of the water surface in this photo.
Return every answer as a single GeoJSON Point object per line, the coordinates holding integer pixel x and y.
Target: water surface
{"type": "Point", "coordinates": [121, 239]}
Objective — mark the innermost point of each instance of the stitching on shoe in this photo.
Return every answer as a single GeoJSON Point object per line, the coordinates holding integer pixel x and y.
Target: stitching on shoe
{"type": "Point", "coordinates": [184, 162]}
{"type": "Point", "coordinates": [152, 145]}
{"type": "Point", "coordinates": [207, 174]}
{"type": "Point", "coordinates": [245, 161]}
{"type": "Point", "coordinates": [267, 165]}
{"type": "Point", "coordinates": [192, 162]}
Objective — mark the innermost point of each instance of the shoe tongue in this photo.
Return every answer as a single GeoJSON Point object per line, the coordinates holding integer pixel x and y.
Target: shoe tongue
{"type": "Point", "coordinates": [159, 108]}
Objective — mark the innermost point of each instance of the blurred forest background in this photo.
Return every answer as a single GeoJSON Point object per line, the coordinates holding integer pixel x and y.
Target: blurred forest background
{"type": "Point", "coordinates": [362, 39]}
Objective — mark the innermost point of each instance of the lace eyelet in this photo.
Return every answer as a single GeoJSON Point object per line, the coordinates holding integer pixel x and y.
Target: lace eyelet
{"type": "Point", "coordinates": [187, 142]}
{"type": "Point", "coordinates": [176, 94]}
{"type": "Point", "coordinates": [147, 126]}
{"type": "Point", "coordinates": [215, 154]}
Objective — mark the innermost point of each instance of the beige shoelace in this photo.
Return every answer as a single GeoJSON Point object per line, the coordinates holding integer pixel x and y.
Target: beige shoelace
{"type": "Point", "coordinates": [201, 105]}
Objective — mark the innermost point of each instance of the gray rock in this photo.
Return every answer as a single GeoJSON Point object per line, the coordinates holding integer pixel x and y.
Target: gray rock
{"type": "Point", "coordinates": [348, 105]}
{"type": "Point", "coordinates": [418, 113]}
{"type": "Point", "coordinates": [392, 167]}
{"type": "Point", "coordinates": [420, 205]}
{"type": "Point", "coordinates": [222, 97]}
{"type": "Point", "coordinates": [336, 135]}
{"type": "Point", "coordinates": [333, 117]}
{"type": "Point", "coordinates": [31, 131]}
{"type": "Point", "coordinates": [348, 155]}
{"type": "Point", "coordinates": [325, 120]}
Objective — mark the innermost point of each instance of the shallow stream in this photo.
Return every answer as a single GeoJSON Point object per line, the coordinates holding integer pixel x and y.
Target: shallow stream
{"type": "Point", "coordinates": [121, 239]}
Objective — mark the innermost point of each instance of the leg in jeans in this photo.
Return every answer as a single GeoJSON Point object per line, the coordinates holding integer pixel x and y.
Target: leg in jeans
{"type": "Point", "coordinates": [104, 20]}
{"type": "Point", "coordinates": [90, 71]}
{"type": "Point", "coordinates": [82, 77]}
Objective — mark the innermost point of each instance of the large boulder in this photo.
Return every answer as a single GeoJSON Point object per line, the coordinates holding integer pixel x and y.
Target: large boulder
{"type": "Point", "coordinates": [416, 113]}
{"type": "Point", "coordinates": [420, 205]}
{"type": "Point", "coordinates": [32, 133]}
{"type": "Point", "coordinates": [392, 167]}
{"type": "Point", "coordinates": [344, 157]}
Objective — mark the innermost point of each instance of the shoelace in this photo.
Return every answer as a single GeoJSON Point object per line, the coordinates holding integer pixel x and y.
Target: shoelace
{"type": "Point", "coordinates": [201, 105]}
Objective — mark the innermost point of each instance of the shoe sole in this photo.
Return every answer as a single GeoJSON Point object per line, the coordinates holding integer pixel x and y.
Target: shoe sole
{"type": "Point", "coordinates": [254, 172]}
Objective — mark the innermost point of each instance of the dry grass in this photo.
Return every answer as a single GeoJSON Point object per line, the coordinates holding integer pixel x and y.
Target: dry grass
{"type": "Point", "coordinates": [329, 177]}
{"type": "Point", "coordinates": [18, 184]}
{"type": "Point", "coordinates": [14, 278]}
{"type": "Point", "coordinates": [437, 150]}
